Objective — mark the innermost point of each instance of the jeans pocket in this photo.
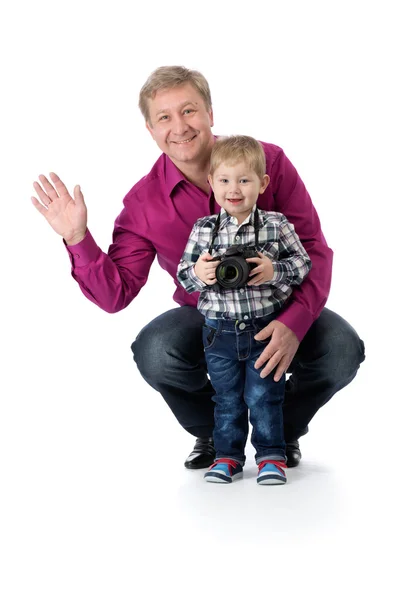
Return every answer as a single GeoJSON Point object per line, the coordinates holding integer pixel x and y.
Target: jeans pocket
{"type": "Point", "coordinates": [209, 335]}
{"type": "Point", "coordinates": [261, 342]}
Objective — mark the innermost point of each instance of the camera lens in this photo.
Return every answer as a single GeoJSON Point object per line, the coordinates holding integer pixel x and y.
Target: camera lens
{"type": "Point", "coordinates": [229, 273]}
{"type": "Point", "coordinates": [232, 272]}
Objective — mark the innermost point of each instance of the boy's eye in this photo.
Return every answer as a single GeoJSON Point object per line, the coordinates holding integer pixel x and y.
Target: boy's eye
{"type": "Point", "coordinates": [244, 180]}
{"type": "Point", "coordinates": [223, 181]}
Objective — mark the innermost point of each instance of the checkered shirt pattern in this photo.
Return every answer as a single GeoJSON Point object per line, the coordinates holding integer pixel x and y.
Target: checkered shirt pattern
{"type": "Point", "coordinates": [277, 239]}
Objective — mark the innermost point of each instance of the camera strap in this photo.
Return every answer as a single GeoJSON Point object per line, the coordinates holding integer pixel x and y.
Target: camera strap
{"type": "Point", "coordinates": [218, 221]}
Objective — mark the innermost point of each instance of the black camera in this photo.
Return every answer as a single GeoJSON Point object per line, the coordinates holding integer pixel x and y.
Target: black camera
{"type": "Point", "coordinates": [233, 270]}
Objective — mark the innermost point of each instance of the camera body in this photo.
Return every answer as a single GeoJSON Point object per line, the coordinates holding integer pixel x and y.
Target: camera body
{"type": "Point", "coordinates": [233, 271]}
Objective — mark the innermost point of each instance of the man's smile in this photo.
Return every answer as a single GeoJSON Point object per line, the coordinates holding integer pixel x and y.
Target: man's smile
{"type": "Point", "coordinates": [185, 141]}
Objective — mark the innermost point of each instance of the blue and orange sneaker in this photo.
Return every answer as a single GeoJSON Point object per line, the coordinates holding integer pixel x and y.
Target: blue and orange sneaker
{"type": "Point", "coordinates": [224, 470]}
{"type": "Point", "coordinates": [271, 472]}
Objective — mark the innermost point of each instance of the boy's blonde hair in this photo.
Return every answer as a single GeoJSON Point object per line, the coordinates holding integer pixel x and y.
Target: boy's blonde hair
{"type": "Point", "coordinates": [238, 148]}
{"type": "Point", "coordinates": [165, 78]}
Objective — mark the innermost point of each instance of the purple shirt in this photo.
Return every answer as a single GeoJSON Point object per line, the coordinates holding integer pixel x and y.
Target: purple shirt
{"type": "Point", "coordinates": [158, 216]}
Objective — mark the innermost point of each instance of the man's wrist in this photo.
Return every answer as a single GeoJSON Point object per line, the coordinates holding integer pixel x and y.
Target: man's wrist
{"type": "Point", "coordinates": [75, 240]}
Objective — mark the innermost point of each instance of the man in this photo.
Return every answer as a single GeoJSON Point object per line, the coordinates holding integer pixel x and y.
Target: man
{"type": "Point", "coordinates": [319, 348]}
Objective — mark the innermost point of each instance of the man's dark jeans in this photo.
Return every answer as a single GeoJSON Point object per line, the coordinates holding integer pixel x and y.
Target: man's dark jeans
{"type": "Point", "coordinates": [231, 352]}
{"type": "Point", "coordinates": [169, 354]}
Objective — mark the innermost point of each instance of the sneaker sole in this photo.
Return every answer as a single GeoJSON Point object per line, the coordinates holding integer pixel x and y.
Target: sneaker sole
{"type": "Point", "coordinates": [221, 477]}
{"type": "Point", "coordinates": [271, 480]}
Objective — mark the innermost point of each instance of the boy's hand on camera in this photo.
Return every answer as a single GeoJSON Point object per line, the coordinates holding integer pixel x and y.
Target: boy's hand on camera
{"type": "Point", "coordinates": [263, 272]}
{"type": "Point", "coordinates": [205, 270]}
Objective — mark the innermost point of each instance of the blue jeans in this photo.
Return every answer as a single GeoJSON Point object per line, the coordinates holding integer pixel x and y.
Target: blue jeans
{"type": "Point", "coordinates": [169, 354]}
{"type": "Point", "coordinates": [231, 351]}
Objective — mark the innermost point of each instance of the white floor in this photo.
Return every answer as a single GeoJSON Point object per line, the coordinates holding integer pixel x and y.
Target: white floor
{"type": "Point", "coordinates": [96, 503]}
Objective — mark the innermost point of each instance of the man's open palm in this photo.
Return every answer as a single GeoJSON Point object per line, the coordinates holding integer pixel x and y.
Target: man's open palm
{"type": "Point", "coordinates": [66, 215]}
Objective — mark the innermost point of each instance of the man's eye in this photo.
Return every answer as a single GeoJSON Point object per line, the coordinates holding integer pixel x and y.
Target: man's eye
{"type": "Point", "coordinates": [163, 118]}
{"type": "Point", "coordinates": [188, 110]}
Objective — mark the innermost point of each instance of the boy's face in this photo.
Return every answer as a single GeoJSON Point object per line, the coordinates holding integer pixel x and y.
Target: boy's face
{"type": "Point", "coordinates": [181, 125]}
{"type": "Point", "coordinates": [236, 189]}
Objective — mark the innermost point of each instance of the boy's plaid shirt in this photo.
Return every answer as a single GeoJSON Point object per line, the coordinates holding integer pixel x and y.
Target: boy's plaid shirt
{"type": "Point", "coordinates": [277, 239]}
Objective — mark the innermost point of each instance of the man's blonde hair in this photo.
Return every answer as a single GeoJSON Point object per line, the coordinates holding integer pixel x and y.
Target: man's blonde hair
{"type": "Point", "coordinates": [238, 148]}
{"type": "Point", "coordinates": [165, 78]}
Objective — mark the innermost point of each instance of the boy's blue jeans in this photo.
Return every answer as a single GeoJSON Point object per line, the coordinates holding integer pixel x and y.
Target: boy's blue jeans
{"type": "Point", "coordinates": [231, 351]}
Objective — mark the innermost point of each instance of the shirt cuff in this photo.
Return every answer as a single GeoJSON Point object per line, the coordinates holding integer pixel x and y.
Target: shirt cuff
{"type": "Point", "coordinates": [297, 318]}
{"type": "Point", "coordinates": [277, 275]}
{"type": "Point", "coordinates": [197, 282]}
{"type": "Point", "coordinates": [85, 252]}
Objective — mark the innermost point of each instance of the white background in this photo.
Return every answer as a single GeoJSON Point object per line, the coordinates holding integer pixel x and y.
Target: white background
{"type": "Point", "coordinates": [94, 499]}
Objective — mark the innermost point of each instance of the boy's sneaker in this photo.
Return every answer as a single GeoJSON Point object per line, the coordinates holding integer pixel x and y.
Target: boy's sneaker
{"type": "Point", "coordinates": [224, 470]}
{"type": "Point", "coordinates": [271, 472]}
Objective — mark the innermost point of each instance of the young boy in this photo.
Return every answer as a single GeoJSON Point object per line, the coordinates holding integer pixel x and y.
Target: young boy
{"type": "Point", "coordinates": [237, 305]}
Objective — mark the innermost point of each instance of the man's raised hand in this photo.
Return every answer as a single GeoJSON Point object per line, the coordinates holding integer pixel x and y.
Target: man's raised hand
{"type": "Point", "coordinates": [66, 215]}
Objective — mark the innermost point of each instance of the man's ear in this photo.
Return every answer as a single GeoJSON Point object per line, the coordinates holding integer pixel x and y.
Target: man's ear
{"type": "Point", "coordinates": [264, 185]}
{"type": "Point", "coordinates": [211, 115]}
{"type": "Point", "coordinates": [149, 128]}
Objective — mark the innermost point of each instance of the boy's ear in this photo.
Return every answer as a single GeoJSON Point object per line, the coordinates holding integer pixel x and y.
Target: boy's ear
{"type": "Point", "coordinates": [209, 178]}
{"type": "Point", "coordinates": [265, 183]}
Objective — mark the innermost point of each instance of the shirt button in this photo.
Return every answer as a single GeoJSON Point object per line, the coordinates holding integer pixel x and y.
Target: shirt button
{"type": "Point", "coordinates": [77, 256]}
{"type": "Point", "coordinates": [241, 290]}
{"type": "Point", "coordinates": [237, 238]}
{"type": "Point", "coordinates": [245, 317]}
{"type": "Point", "coordinates": [242, 326]}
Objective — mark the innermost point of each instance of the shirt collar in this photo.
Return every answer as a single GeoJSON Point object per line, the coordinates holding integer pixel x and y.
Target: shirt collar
{"type": "Point", "coordinates": [225, 218]}
{"type": "Point", "coordinates": [173, 175]}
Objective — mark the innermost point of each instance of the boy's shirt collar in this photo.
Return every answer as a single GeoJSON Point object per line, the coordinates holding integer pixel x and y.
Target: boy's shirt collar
{"type": "Point", "coordinates": [225, 217]}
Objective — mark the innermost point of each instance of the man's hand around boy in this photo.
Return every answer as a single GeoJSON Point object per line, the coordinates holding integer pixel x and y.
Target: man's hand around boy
{"type": "Point", "coordinates": [205, 270]}
{"type": "Point", "coordinates": [280, 350]}
{"type": "Point", "coordinates": [263, 272]}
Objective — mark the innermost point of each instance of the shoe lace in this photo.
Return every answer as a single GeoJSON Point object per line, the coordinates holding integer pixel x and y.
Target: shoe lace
{"type": "Point", "coordinates": [280, 465]}
{"type": "Point", "coordinates": [232, 464]}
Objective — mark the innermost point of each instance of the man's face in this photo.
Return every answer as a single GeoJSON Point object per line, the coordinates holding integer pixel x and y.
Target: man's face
{"type": "Point", "coordinates": [236, 188]}
{"type": "Point", "coordinates": [181, 125]}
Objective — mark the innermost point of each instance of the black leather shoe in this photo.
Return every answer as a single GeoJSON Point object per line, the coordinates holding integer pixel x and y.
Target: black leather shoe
{"type": "Point", "coordinates": [293, 454]}
{"type": "Point", "coordinates": [203, 454]}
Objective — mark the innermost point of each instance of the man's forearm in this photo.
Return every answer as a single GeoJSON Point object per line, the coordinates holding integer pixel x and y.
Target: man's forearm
{"type": "Point", "coordinates": [109, 282]}
{"type": "Point", "coordinates": [308, 300]}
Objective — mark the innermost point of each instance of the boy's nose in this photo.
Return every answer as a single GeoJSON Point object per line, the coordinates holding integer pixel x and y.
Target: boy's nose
{"type": "Point", "coordinates": [234, 190]}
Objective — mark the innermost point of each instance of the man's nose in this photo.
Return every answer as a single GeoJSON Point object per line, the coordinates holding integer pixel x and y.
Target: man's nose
{"type": "Point", "coordinates": [179, 125]}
